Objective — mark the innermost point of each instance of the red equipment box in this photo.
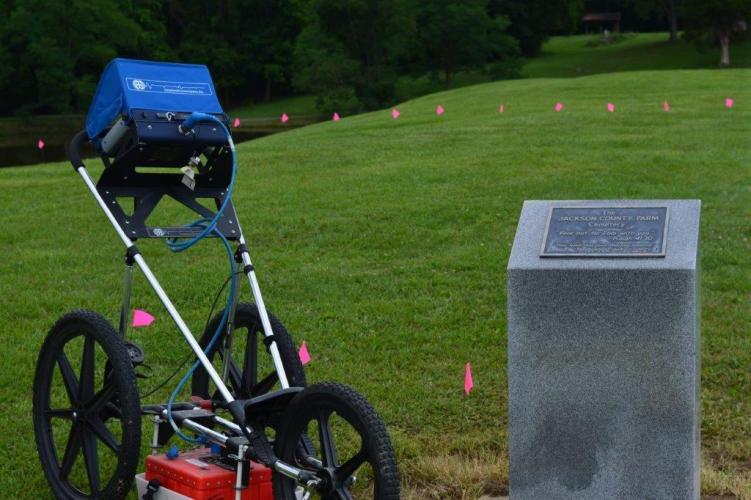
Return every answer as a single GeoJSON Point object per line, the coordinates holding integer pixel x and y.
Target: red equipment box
{"type": "Point", "coordinates": [195, 474]}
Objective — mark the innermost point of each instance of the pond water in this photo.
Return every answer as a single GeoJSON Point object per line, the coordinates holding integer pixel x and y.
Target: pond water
{"type": "Point", "coordinates": [24, 150]}
{"type": "Point", "coordinates": [19, 136]}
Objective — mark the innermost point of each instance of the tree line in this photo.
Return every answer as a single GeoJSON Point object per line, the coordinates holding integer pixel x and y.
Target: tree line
{"type": "Point", "coordinates": [349, 53]}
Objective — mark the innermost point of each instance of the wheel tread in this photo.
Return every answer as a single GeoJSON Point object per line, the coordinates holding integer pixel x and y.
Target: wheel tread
{"type": "Point", "coordinates": [117, 354]}
{"type": "Point", "coordinates": [389, 488]}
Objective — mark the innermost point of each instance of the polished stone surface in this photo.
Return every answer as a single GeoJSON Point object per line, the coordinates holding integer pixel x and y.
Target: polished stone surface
{"type": "Point", "coordinates": [604, 358]}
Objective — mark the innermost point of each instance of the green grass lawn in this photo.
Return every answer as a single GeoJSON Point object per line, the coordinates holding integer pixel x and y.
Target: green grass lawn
{"type": "Point", "coordinates": [383, 244]}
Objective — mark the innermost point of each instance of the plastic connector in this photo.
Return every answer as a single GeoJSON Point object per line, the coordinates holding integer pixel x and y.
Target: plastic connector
{"type": "Point", "coordinates": [186, 127]}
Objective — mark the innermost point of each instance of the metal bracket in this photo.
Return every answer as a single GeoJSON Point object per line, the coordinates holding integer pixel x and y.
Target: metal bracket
{"type": "Point", "coordinates": [146, 189]}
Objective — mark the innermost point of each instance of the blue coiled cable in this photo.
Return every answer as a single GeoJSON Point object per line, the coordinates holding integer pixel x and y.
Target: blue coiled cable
{"type": "Point", "coordinates": [209, 227]}
{"type": "Point", "coordinates": [209, 224]}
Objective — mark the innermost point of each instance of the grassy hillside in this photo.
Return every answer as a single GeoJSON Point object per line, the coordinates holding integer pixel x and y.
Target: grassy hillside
{"type": "Point", "coordinates": [383, 244]}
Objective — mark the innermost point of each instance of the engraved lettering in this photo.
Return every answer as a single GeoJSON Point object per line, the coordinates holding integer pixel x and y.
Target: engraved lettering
{"type": "Point", "coordinates": [605, 232]}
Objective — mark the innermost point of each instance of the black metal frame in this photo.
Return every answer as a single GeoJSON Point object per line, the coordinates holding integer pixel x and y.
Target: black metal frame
{"type": "Point", "coordinates": [128, 176]}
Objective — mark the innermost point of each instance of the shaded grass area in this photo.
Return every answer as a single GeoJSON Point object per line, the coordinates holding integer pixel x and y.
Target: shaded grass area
{"type": "Point", "coordinates": [294, 106]}
{"type": "Point", "coordinates": [383, 244]}
{"type": "Point", "coordinates": [570, 56]}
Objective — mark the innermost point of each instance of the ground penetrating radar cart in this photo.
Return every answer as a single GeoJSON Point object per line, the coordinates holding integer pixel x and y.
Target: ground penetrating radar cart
{"type": "Point", "coordinates": [256, 413]}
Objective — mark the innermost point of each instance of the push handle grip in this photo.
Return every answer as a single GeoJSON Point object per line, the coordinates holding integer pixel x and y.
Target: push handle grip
{"type": "Point", "coordinates": [74, 152]}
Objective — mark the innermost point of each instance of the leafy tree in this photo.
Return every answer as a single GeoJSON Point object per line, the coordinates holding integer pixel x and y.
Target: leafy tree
{"type": "Point", "coordinates": [460, 34]}
{"type": "Point", "coordinates": [349, 51]}
{"type": "Point", "coordinates": [269, 28]}
{"type": "Point", "coordinates": [247, 43]}
{"type": "Point", "coordinates": [152, 42]}
{"type": "Point", "coordinates": [57, 50]}
{"type": "Point", "coordinates": [206, 33]}
{"type": "Point", "coordinates": [533, 21]}
{"type": "Point", "coordinates": [718, 20]}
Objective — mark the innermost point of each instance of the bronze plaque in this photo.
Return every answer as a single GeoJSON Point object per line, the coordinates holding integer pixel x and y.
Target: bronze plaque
{"type": "Point", "coordinates": [605, 232]}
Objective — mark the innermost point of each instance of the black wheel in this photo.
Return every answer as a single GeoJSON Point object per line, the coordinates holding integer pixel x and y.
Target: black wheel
{"type": "Point", "coordinates": [355, 460]}
{"type": "Point", "coordinates": [250, 374]}
{"type": "Point", "coordinates": [87, 414]}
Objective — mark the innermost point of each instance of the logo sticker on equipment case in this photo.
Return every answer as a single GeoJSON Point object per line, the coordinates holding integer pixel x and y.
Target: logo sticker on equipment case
{"type": "Point", "coordinates": [165, 87]}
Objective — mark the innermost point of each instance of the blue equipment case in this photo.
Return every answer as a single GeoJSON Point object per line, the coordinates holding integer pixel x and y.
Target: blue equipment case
{"type": "Point", "coordinates": [134, 121]}
{"type": "Point", "coordinates": [150, 98]}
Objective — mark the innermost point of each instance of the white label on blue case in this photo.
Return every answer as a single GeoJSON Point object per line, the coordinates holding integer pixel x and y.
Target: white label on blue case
{"type": "Point", "coordinates": [165, 87]}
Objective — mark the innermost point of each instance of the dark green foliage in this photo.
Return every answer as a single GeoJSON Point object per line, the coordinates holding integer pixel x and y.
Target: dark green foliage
{"type": "Point", "coordinates": [247, 43]}
{"type": "Point", "coordinates": [667, 8]}
{"type": "Point", "coordinates": [57, 49]}
{"type": "Point", "coordinates": [460, 34]}
{"type": "Point", "coordinates": [349, 51]}
{"type": "Point", "coordinates": [352, 55]}
{"type": "Point", "coordinates": [717, 21]}
{"type": "Point", "coordinates": [532, 21]}
{"type": "Point", "coordinates": [52, 53]}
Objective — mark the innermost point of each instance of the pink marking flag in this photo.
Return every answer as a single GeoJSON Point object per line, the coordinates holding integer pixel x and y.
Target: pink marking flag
{"type": "Point", "coordinates": [729, 102]}
{"type": "Point", "coordinates": [395, 113]}
{"type": "Point", "coordinates": [336, 117]}
{"type": "Point", "coordinates": [40, 144]}
{"type": "Point", "coordinates": [236, 123]}
{"type": "Point", "coordinates": [501, 108]}
{"type": "Point", "coordinates": [284, 118]}
{"type": "Point", "coordinates": [611, 107]}
{"type": "Point", "coordinates": [468, 383]}
{"type": "Point", "coordinates": [439, 110]}
{"type": "Point", "coordinates": [666, 106]}
{"type": "Point", "coordinates": [558, 107]}
{"type": "Point", "coordinates": [304, 354]}
{"type": "Point", "coordinates": [141, 318]}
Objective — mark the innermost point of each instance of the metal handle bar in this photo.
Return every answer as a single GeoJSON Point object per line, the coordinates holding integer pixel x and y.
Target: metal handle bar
{"type": "Point", "coordinates": [78, 165]}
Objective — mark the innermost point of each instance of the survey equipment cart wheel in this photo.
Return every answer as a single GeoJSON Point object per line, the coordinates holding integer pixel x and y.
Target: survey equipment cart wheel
{"type": "Point", "coordinates": [352, 452]}
{"type": "Point", "coordinates": [251, 370]}
{"type": "Point", "coordinates": [86, 410]}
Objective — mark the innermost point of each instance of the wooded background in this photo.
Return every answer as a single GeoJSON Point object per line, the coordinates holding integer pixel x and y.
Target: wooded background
{"type": "Point", "coordinates": [348, 53]}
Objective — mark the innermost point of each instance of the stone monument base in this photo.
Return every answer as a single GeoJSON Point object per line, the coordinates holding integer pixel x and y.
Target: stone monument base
{"type": "Point", "coordinates": [603, 370]}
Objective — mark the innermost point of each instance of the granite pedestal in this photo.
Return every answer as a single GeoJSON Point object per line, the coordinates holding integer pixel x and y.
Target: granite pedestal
{"type": "Point", "coordinates": [603, 365]}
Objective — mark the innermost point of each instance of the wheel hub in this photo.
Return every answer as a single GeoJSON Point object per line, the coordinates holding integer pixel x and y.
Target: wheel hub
{"type": "Point", "coordinates": [326, 481]}
{"type": "Point", "coordinates": [330, 481]}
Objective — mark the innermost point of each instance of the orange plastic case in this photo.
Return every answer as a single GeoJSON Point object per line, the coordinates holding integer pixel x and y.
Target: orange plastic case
{"type": "Point", "coordinates": [191, 476]}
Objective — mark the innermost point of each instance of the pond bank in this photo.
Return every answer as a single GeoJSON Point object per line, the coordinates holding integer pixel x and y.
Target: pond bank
{"type": "Point", "coordinates": [19, 137]}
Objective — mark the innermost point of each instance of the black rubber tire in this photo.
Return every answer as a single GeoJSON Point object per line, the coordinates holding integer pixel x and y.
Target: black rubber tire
{"type": "Point", "coordinates": [356, 411]}
{"type": "Point", "coordinates": [116, 399]}
{"type": "Point", "coordinates": [248, 318]}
